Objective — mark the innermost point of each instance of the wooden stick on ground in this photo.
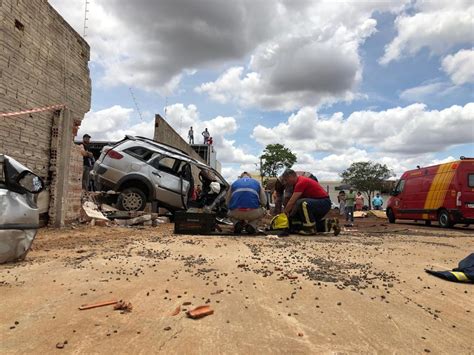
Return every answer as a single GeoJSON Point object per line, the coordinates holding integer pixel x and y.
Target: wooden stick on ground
{"type": "Point", "coordinates": [96, 305]}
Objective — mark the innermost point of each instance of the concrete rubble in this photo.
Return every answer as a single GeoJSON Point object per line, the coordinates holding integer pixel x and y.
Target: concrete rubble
{"type": "Point", "coordinates": [96, 212]}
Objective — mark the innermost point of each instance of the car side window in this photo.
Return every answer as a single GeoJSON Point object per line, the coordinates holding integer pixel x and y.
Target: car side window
{"type": "Point", "coordinates": [470, 180]}
{"type": "Point", "coordinates": [139, 153]}
{"type": "Point", "coordinates": [166, 164]}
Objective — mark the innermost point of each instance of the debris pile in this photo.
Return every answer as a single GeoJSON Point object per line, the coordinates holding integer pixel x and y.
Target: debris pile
{"type": "Point", "coordinates": [98, 209]}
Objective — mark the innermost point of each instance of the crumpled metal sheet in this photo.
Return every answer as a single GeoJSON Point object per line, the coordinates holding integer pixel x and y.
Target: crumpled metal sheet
{"type": "Point", "coordinates": [19, 221]}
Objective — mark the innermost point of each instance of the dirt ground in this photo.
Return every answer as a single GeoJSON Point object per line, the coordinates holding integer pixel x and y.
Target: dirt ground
{"type": "Point", "coordinates": [364, 291]}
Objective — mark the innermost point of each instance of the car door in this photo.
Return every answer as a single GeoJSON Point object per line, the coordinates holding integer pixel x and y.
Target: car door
{"type": "Point", "coordinates": [171, 189]}
{"type": "Point", "coordinates": [397, 197]}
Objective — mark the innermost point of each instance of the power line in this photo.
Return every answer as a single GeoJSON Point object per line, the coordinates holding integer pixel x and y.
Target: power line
{"type": "Point", "coordinates": [86, 10]}
{"type": "Point", "coordinates": [136, 104]}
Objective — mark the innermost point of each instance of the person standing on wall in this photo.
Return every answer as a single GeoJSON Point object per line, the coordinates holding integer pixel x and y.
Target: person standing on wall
{"type": "Point", "coordinates": [206, 135]}
{"type": "Point", "coordinates": [88, 161]}
{"type": "Point", "coordinates": [191, 135]}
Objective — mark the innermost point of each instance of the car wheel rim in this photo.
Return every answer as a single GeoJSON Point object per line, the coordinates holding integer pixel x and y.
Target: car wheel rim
{"type": "Point", "coordinates": [132, 201]}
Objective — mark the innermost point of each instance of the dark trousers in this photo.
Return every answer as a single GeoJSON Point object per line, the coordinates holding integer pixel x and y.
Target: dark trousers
{"type": "Point", "coordinates": [86, 170]}
{"type": "Point", "coordinates": [350, 213]}
{"type": "Point", "coordinates": [310, 211]}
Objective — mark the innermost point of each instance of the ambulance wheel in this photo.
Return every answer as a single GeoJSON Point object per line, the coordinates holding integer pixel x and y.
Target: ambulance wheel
{"type": "Point", "coordinates": [390, 216]}
{"type": "Point", "coordinates": [444, 219]}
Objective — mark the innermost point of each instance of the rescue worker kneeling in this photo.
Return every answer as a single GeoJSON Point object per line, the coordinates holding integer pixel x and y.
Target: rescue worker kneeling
{"type": "Point", "coordinates": [282, 193]}
{"type": "Point", "coordinates": [246, 200]}
{"type": "Point", "coordinates": [308, 204]}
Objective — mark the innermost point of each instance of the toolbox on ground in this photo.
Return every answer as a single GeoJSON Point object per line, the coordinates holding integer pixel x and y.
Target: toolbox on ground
{"type": "Point", "coordinates": [194, 223]}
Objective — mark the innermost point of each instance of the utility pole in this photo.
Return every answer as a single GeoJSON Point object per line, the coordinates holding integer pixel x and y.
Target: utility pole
{"type": "Point", "coordinates": [136, 104]}
{"type": "Point", "coordinates": [86, 10]}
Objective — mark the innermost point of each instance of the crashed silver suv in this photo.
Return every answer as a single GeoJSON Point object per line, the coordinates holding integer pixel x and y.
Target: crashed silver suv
{"type": "Point", "coordinates": [143, 170]}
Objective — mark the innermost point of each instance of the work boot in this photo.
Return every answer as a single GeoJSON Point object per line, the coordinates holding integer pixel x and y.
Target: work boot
{"type": "Point", "coordinates": [239, 227]}
{"type": "Point", "coordinates": [307, 231]}
{"type": "Point", "coordinates": [250, 229]}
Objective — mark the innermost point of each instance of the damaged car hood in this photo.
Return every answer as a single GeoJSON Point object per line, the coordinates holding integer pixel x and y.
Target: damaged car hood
{"type": "Point", "coordinates": [19, 214]}
{"type": "Point", "coordinates": [19, 221]}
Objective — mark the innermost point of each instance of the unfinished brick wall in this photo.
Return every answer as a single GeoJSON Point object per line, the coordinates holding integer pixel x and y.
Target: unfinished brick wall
{"type": "Point", "coordinates": [74, 184]}
{"type": "Point", "coordinates": [43, 62]}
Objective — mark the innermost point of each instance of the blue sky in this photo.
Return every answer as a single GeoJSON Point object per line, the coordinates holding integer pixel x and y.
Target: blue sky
{"type": "Point", "coordinates": [335, 82]}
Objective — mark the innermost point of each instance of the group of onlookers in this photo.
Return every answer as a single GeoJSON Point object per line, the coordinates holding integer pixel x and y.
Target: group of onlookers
{"type": "Point", "coordinates": [350, 202]}
{"type": "Point", "coordinates": [205, 134]}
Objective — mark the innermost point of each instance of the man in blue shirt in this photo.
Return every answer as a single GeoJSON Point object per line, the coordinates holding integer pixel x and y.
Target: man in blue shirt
{"type": "Point", "coordinates": [246, 200]}
{"type": "Point", "coordinates": [377, 202]}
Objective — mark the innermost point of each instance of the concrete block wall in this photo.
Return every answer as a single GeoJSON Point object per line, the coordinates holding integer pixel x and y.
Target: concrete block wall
{"type": "Point", "coordinates": [164, 133]}
{"type": "Point", "coordinates": [74, 185]}
{"type": "Point", "coordinates": [43, 62]}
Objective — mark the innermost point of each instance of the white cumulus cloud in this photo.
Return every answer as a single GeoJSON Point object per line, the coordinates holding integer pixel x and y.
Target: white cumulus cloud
{"type": "Point", "coordinates": [436, 25]}
{"type": "Point", "coordinates": [460, 66]}
{"type": "Point", "coordinates": [406, 130]}
{"type": "Point", "coordinates": [182, 117]}
{"type": "Point", "coordinates": [113, 123]}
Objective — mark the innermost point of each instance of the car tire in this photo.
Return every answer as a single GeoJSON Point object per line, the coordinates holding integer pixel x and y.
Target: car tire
{"type": "Point", "coordinates": [390, 215]}
{"type": "Point", "coordinates": [131, 199]}
{"type": "Point", "coordinates": [444, 220]}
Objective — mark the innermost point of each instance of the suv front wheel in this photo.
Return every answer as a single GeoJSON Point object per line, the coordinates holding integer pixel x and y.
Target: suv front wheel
{"type": "Point", "coordinates": [131, 199]}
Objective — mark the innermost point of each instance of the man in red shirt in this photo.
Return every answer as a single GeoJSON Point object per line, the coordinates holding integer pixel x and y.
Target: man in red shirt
{"type": "Point", "coordinates": [282, 193]}
{"type": "Point", "coordinates": [309, 202]}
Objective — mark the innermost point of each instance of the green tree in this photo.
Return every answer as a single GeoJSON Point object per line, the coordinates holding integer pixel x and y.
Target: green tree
{"type": "Point", "coordinates": [274, 159]}
{"type": "Point", "coordinates": [367, 177]}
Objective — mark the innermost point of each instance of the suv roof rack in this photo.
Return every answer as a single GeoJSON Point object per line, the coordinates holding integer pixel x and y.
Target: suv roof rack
{"type": "Point", "coordinates": [167, 148]}
{"type": "Point", "coordinates": [158, 144]}
{"type": "Point", "coordinates": [151, 141]}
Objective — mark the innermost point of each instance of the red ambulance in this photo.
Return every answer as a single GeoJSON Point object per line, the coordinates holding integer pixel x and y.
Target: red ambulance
{"type": "Point", "coordinates": [443, 193]}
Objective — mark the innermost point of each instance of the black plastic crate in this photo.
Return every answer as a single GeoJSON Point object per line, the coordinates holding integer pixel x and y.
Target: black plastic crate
{"type": "Point", "coordinates": [194, 223]}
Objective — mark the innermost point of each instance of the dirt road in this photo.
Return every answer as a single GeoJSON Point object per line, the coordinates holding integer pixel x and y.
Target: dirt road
{"type": "Point", "coordinates": [364, 291]}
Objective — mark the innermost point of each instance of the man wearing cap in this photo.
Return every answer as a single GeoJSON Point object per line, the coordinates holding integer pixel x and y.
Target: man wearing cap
{"type": "Point", "coordinates": [88, 161]}
{"type": "Point", "coordinates": [246, 200]}
{"type": "Point", "coordinates": [309, 202]}
{"type": "Point", "coordinates": [283, 191]}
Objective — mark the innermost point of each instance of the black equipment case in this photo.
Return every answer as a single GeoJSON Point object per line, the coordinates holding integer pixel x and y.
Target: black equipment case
{"type": "Point", "coordinates": [194, 223]}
